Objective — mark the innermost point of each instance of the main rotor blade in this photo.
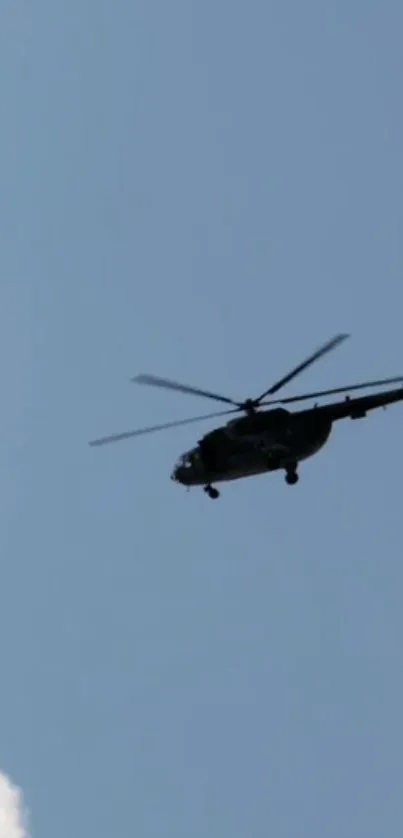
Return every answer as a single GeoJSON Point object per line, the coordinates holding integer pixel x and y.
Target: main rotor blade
{"type": "Point", "coordinates": [128, 434]}
{"type": "Point", "coordinates": [336, 390]}
{"type": "Point", "coordinates": [322, 350]}
{"type": "Point", "coordinates": [154, 381]}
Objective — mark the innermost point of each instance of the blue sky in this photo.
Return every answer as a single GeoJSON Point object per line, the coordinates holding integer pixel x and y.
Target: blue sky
{"type": "Point", "coordinates": [204, 191]}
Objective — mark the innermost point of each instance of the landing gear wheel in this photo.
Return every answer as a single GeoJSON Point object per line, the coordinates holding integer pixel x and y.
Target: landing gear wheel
{"type": "Point", "coordinates": [291, 478]}
{"type": "Point", "coordinates": [211, 492]}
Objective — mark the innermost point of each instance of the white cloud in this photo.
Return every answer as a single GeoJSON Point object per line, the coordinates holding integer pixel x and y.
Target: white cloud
{"type": "Point", "coordinates": [13, 817]}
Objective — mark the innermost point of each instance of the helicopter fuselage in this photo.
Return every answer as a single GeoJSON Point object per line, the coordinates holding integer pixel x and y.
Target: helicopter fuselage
{"type": "Point", "coordinates": [252, 445]}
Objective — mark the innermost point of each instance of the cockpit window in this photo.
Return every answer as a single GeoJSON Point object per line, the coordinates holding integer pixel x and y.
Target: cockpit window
{"type": "Point", "coordinates": [188, 459]}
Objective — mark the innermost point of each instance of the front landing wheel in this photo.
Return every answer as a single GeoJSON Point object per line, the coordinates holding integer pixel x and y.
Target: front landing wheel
{"type": "Point", "coordinates": [291, 478]}
{"type": "Point", "coordinates": [212, 492]}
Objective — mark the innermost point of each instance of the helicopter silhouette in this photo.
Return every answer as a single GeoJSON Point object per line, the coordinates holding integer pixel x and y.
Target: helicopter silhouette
{"type": "Point", "coordinates": [263, 441]}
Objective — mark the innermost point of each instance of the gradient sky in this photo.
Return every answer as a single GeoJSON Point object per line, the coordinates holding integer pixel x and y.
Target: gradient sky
{"type": "Point", "coordinates": [203, 190]}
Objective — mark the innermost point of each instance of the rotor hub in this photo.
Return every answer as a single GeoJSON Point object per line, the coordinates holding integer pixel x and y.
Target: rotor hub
{"type": "Point", "coordinates": [249, 406]}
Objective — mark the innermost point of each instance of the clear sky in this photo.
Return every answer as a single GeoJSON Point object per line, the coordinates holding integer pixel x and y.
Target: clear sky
{"type": "Point", "coordinates": [202, 190]}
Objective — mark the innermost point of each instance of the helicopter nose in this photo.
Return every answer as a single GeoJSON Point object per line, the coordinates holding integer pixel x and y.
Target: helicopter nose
{"type": "Point", "coordinates": [179, 475]}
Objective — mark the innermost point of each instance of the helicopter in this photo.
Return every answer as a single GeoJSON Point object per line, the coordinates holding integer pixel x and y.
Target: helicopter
{"type": "Point", "coordinates": [263, 441]}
